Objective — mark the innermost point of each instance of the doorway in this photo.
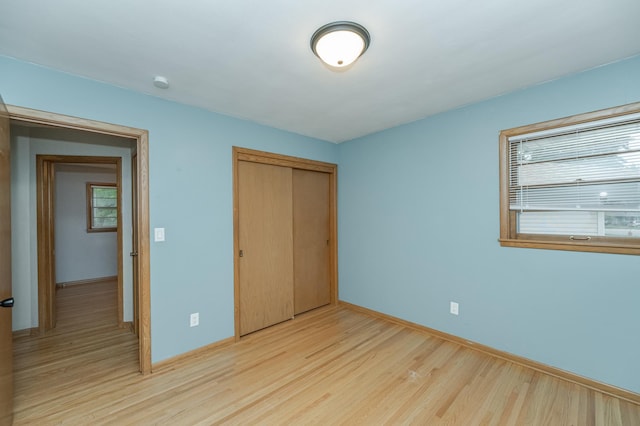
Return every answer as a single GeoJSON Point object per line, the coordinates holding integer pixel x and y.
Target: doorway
{"type": "Point", "coordinates": [59, 235]}
{"type": "Point", "coordinates": [142, 264]}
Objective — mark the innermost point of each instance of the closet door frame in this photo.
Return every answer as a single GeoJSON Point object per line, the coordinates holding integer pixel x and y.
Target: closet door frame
{"type": "Point", "coordinates": [244, 154]}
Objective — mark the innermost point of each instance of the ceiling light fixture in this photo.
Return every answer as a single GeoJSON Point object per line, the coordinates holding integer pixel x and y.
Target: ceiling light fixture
{"type": "Point", "coordinates": [339, 44]}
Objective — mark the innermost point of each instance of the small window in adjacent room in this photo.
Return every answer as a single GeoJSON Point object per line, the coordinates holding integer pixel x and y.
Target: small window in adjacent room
{"type": "Point", "coordinates": [573, 183]}
{"type": "Point", "coordinates": [102, 207]}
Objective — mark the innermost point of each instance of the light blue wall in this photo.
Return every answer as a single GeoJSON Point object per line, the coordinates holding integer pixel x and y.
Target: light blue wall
{"type": "Point", "coordinates": [190, 191]}
{"type": "Point", "coordinates": [408, 243]}
{"type": "Point", "coordinates": [418, 221]}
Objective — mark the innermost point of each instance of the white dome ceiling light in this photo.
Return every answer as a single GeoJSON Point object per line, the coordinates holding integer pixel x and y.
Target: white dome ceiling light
{"type": "Point", "coordinates": [339, 44]}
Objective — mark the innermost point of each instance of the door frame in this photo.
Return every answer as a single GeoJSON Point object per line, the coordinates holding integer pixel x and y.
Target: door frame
{"type": "Point", "coordinates": [45, 183]}
{"type": "Point", "coordinates": [141, 138]}
{"type": "Point", "coordinates": [245, 154]}
{"type": "Point", "coordinates": [135, 238]}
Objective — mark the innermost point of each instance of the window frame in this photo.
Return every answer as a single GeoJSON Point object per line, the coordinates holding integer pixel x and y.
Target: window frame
{"type": "Point", "coordinates": [90, 186]}
{"type": "Point", "coordinates": [509, 237]}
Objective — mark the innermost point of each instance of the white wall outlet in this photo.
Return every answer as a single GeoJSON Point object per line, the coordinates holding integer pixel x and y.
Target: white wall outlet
{"type": "Point", "coordinates": [158, 234]}
{"type": "Point", "coordinates": [453, 308]}
{"type": "Point", "coordinates": [194, 319]}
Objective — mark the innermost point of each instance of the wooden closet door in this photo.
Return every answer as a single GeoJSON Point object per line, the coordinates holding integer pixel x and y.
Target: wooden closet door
{"type": "Point", "coordinates": [311, 208]}
{"type": "Point", "coordinates": [266, 242]}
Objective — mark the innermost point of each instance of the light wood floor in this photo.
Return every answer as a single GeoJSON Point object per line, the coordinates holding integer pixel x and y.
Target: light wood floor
{"type": "Point", "coordinates": [331, 366]}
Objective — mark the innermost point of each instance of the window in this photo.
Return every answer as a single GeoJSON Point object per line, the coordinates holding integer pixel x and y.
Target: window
{"type": "Point", "coordinates": [573, 183]}
{"type": "Point", "coordinates": [102, 207]}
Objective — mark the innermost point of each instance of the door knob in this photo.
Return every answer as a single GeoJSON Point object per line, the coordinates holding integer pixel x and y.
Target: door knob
{"type": "Point", "coordinates": [133, 253]}
{"type": "Point", "coordinates": [7, 303]}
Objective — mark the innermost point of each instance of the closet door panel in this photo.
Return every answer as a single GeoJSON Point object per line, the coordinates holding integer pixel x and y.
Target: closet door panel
{"type": "Point", "coordinates": [266, 243]}
{"type": "Point", "coordinates": [311, 204]}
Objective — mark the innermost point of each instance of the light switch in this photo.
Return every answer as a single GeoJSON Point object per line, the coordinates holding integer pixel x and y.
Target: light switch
{"type": "Point", "coordinates": [158, 234]}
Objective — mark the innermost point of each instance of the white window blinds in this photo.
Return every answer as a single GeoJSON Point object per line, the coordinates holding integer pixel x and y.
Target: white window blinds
{"type": "Point", "coordinates": [594, 168]}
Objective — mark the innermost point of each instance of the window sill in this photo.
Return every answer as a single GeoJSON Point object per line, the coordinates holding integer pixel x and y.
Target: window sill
{"type": "Point", "coordinates": [102, 230]}
{"type": "Point", "coordinates": [591, 247]}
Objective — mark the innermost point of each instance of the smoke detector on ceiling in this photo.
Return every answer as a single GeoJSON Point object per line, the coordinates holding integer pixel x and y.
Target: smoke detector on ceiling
{"type": "Point", "coordinates": [161, 82]}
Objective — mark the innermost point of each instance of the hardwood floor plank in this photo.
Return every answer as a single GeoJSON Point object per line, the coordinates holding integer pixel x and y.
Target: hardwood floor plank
{"type": "Point", "coordinates": [329, 366]}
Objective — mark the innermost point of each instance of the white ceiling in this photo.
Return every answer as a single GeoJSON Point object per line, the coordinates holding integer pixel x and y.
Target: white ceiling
{"type": "Point", "coordinates": [251, 58]}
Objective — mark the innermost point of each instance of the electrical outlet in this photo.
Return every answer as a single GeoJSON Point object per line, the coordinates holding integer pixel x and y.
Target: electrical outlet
{"type": "Point", "coordinates": [194, 320]}
{"type": "Point", "coordinates": [453, 308]}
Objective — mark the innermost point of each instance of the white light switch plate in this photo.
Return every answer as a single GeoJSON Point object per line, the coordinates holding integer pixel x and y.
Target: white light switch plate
{"type": "Point", "coordinates": [194, 319]}
{"type": "Point", "coordinates": [158, 234]}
